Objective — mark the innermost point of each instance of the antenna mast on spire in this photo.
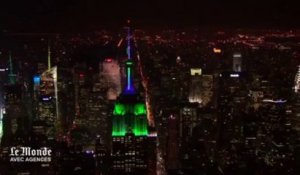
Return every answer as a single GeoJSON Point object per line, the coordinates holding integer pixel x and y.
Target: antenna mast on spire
{"type": "Point", "coordinates": [128, 43]}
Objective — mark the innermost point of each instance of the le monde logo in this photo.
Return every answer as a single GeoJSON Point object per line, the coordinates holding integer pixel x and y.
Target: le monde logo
{"type": "Point", "coordinates": [28, 154]}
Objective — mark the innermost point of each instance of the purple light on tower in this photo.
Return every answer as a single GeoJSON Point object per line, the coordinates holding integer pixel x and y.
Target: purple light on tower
{"type": "Point", "coordinates": [128, 44]}
{"type": "Point", "coordinates": [129, 83]}
{"type": "Point", "coordinates": [129, 63]}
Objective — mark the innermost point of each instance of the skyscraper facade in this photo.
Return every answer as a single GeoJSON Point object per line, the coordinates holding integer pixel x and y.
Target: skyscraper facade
{"type": "Point", "coordinates": [201, 87]}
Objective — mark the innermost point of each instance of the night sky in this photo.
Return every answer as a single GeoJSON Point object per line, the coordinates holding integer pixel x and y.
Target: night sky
{"type": "Point", "coordinates": [71, 14]}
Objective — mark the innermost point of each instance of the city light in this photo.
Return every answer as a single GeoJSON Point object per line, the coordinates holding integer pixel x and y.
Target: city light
{"type": "Point", "coordinates": [152, 134]}
{"type": "Point", "coordinates": [108, 60]}
{"type": "Point", "coordinates": [196, 71]}
{"type": "Point", "coordinates": [46, 98]}
{"type": "Point", "coordinates": [217, 50]}
{"type": "Point", "coordinates": [129, 63]}
{"type": "Point", "coordinates": [37, 80]}
{"type": "Point", "coordinates": [280, 101]}
{"type": "Point", "coordinates": [234, 75]}
{"type": "Point", "coordinates": [81, 75]}
{"type": "Point", "coordinates": [237, 55]}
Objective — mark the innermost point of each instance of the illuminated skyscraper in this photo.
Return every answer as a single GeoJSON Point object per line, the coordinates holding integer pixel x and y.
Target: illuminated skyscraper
{"type": "Point", "coordinates": [195, 87]}
{"type": "Point", "coordinates": [132, 107]}
{"type": "Point", "coordinates": [129, 127]}
{"type": "Point", "coordinates": [47, 106]}
{"type": "Point", "coordinates": [54, 98]}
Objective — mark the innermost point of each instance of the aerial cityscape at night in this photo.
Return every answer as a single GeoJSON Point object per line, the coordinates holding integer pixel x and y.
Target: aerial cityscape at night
{"type": "Point", "coordinates": [154, 88]}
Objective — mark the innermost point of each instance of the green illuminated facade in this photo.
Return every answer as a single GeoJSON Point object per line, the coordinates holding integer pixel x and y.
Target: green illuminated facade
{"type": "Point", "coordinates": [129, 113]}
{"type": "Point", "coordinates": [131, 116]}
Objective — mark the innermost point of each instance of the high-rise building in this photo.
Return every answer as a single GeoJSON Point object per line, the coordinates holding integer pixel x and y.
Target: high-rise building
{"type": "Point", "coordinates": [93, 105]}
{"type": "Point", "coordinates": [102, 157]}
{"type": "Point", "coordinates": [232, 99]}
{"type": "Point", "coordinates": [54, 99]}
{"type": "Point", "coordinates": [172, 160]}
{"type": "Point", "coordinates": [65, 98]}
{"type": "Point", "coordinates": [2, 107]}
{"type": "Point", "coordinates": [201, 87]}
{"type": "Point", "coordinates": [237, 62]}
{"type": "Point", "coordinates": [129, 130]}
{"type": "Point", "coordinates": [46, 87]}
{"type": "Point", "coordinates": [297, 81]}
{"type": "Point", "coordinates": [11, 114]}
{"type": "Point", "coordinates": [129, 127]}
{"type": "Point", "coordinates": [2, 111]}
{"type": "Point", "coordinates": [187, 122]}
{"type": "Point", "coordinates": [195, 87]}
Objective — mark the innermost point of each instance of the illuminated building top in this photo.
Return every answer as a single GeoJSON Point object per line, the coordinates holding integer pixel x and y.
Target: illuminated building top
{"type": "Point", "coordinates": [129, 113]}
{"type": "Point", "coordinates": [196, 71]}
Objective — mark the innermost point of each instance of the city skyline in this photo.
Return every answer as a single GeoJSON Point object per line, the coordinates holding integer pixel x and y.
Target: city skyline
{"type": "Point", "coordinates": [149, 87]}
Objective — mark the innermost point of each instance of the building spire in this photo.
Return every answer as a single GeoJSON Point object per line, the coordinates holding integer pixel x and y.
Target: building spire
{"type": "Point", "coordinates": [49, 56]}
{"type": "Point", "coordinates": [10, 64]}
{"type": "Point", "coordinates": [11, 75]}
